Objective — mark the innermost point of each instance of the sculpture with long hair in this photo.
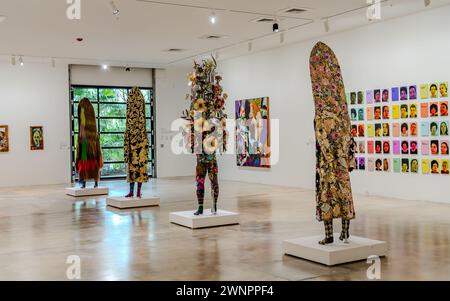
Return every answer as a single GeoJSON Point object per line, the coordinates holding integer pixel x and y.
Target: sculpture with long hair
{"type": "Point", "coordinates": [89, 159]}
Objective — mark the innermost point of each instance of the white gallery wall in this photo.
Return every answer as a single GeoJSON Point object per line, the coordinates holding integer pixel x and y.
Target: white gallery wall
{"type": "Point", "coordinates": [35, 95]}
{"type": "Point", "coordinates": [409, 50]}
{"type": "Point", "coordinates": [171, 90]}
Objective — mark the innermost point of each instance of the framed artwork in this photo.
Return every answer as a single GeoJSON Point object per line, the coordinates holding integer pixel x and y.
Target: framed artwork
{"type": "Point", "coordinates": [444, 169]}
{"type": "Point", "coordinates": [36, 138]}
{"type": "Point", "coordinates": [4, 139]}
{"type": "Point", "coordinates": [360, 97]}
{"type": "Point", "coordinates": [443, 89]}
{"type": "Point", "coordinates": [369, 96]}
{"type": "Point", "coordinates": [425, 166]}
{"type": "Point", "coordinates": [433, 90]}
{"type": "Point", "coordinates": [412, 92]}
{"type": "Point", "coordinates": [424, 110]}
{"type": "Point", "coordinates": [253, 132]}
{"type": "Point", "coordinates": [424, 92]}
{"type": "Point", "coordinates": [395, 94]}
{"type": "Point", "coordinates": [414, 166]}
{"type": "Point", "coordinates": [444, 147]}
{"type": "Point", "coordinates": [385, 95]}
{"type": "Point", "coordinates": [397, 165]}
{"type": "Point", "coordinates": [444, 108]}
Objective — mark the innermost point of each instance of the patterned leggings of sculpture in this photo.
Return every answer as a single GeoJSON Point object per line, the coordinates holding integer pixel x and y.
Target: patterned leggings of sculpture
{"type": "Point", "coordinates": [345, 234]}
{"type": "Point", "coordinates": [212, 170]}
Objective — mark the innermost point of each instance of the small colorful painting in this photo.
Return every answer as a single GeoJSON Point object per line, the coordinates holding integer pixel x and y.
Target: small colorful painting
{"type": "Point", "coordinates": [36, 138]}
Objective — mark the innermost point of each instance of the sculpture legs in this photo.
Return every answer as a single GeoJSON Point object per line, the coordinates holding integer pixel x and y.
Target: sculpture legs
{"type": "Point", "coordinates": [328, 233]}
{"type": "Point", "coordinates": [345, 234]}
{"type": "Point", "coordinates": [211, 169]}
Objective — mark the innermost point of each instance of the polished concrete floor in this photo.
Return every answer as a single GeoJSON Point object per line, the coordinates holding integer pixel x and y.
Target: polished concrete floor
{"type": "Point", "coordinates": [41, 226]}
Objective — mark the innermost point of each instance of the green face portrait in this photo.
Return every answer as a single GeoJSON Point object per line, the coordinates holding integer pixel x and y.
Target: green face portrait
{"type": "Point", "coordinates": [37, 137]}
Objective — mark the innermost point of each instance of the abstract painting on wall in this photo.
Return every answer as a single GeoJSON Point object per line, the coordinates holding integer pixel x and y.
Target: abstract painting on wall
{"type": "Point", "coordinates": [253, 133]}
{"type": "Point", "coordinates": [4, 142]}
{"type": "Point", "coordinates": [36, 138]}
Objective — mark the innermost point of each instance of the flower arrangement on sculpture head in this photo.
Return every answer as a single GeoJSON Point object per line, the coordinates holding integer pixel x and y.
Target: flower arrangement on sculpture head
{"type": "Point", "coordinates": [205, 130]}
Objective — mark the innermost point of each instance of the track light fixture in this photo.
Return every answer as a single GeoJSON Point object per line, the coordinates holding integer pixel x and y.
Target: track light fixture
{"type": "Point", "coordinates": [213, 18]}
{"type": "Point", "coordinates": [105, 67]}
{"type": "Point", "coordinates": [21, 61]}
{"type": "Point", "coordinates": [275, 27]}
{"type": "Point", "coordinates": [427, 3]}
{"type": "Point", "coordinates": [114, 8]}
{"type": "Point", "coordinates": [326, 24]}
{"type": "Point", "coordinates": [13, 60]}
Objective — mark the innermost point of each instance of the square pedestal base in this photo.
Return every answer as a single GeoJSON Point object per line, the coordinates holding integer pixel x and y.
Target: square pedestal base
{"type": "Point", "coordinates": [207, 220]}
{"type": "Point", "coordinates": [78, 192]}
{"type": "Point", "coordinates": [126, 203]}
{"type": "Point", "coordinates": [357, 249]}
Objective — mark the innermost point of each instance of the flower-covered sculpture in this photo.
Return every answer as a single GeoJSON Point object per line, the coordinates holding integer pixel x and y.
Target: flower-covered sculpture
{"type": "Point", "coordinates": [335, 147]}
{"type": "Point", "coordinates": [205, 132]}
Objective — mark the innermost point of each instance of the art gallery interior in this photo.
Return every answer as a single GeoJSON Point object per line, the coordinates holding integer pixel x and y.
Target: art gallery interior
{"type": "Point", "coordinates": [255, 208]}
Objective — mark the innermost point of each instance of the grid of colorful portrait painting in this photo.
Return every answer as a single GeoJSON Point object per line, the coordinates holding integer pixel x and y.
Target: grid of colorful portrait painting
{"type": "Point", "coordinates": [402, 129]}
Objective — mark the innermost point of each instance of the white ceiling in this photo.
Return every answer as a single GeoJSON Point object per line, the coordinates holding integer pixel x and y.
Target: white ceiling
{"type": "Point", "coordinates": [142, 31]}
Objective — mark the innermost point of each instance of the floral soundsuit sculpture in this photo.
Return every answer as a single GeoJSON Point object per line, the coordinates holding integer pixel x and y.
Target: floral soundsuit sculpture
{"type": "Point", "coordinates": [205, 131]}
{"type": "Point", "coordinates": [335, 147]}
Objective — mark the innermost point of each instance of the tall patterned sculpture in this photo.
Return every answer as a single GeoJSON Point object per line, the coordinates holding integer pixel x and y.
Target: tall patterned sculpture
{"type": "Point", "coordinates": [136, 142]}
{"type": "Point", "coordinates": [89, 155]}
{"type": "Point", "coordinates": [205, 131]}
{"type": "Point", "coordinates": [335, 147]}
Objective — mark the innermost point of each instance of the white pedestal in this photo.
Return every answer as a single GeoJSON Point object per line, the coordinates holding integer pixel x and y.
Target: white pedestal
{"type": "Point", "coordinates": [125, 203]}
{"type": "Point", "coordinates": [78, 192]}
{"type": "Point", "coordinates": [357, 249]}
{"type": "Point", "coordinates": [207, 220]}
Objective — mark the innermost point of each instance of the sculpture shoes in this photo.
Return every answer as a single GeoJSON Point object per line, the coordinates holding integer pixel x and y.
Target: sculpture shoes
{"type": "Point", "coordinates": [345, 233]}
{"type": "Point", "coordinates": [83, 184]}
{"type": "Point", "coordinates": [131, 193]}
{"type": "Point", "coordinates": [200, 209]}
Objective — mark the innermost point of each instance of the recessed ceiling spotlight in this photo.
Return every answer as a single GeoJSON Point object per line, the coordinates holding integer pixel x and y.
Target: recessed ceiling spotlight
{"type": "Point", "coordinates": [275, 27]}
{"type": "Point", "coordinates": [213, 18]}
{"type": "Point", "coordinates": [427, 3]}
{"type": "Point", "coordinates": [21, 61]}
{"type": "Point", "coordinates": [114, 8]}
{"type": "Point", "coordinates": [3, 18]}
{"type": "Point", "coordinates": [105, 67]}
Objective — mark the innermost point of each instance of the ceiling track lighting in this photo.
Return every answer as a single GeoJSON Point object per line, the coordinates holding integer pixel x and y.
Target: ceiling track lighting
{"type": "Point", "coordinates": [21, 61]}
{"type": "Point", "coordinates": [114, 8]}
{"type": "Point", "coordinates": [326, 24]}
{"type": "Point", "coordinates": [275, 27]}
{"type": "Point", "coordinates": [105, 67]}
{"type": "Point", "coordinates": [427, 3]}
{"type": "Point", "coordinates": [213, 18]}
